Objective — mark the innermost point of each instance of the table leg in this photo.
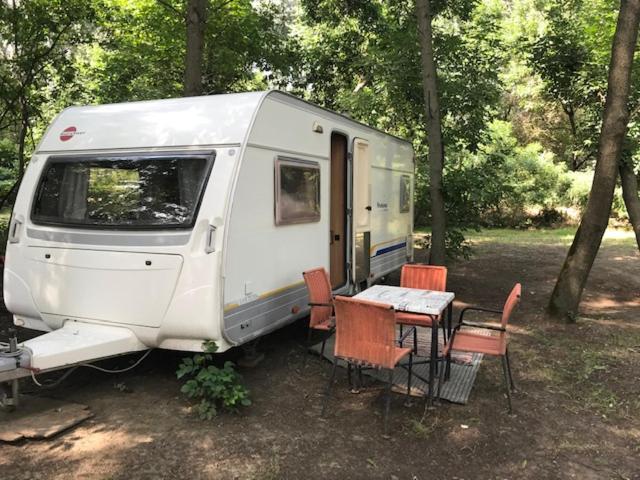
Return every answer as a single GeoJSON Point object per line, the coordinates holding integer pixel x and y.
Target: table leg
{"type": "Point", "coordinates": [433, 359]}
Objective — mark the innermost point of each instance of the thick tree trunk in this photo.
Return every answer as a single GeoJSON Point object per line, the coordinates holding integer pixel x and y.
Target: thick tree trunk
{"type": "Point", "coordinates": [434, 133]}
{"type": "Point", "coordinates": [566, 295]}
{"type": "Point", "coordinates": [631, 198]}
{"type": "Point", "coordinates": [196, 20]}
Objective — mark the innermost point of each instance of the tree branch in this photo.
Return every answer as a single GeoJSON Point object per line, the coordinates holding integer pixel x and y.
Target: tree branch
{"type": "Point", "coordinates": [221, 6]}
{"type": "Point", "coordinates": [168, 6]}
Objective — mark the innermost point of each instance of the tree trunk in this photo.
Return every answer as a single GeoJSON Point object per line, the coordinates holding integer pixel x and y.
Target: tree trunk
{"type": "Point", "coordinates": [629, 182]}
{"type": "Point", "coordinates": [22, 134]}
{"type": "Point", "coordinates": [434, 132]}
{"type": "Point", "coordinates": [196, 20]}
{"type": "Point", "coordinates": [565, 298]}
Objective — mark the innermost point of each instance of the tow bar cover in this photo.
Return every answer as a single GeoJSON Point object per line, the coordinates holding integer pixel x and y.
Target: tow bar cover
{"type": "Point", "coordinates": [78, 342]}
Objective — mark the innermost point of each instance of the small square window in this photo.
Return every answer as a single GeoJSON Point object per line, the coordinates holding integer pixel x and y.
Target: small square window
{"type": "Point", "coordinates": [405, 194]}
{"type": "Point", "coordinates": [297, 191]}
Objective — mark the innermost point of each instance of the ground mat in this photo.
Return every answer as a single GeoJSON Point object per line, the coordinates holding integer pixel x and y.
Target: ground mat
{"type": "Point", "coordinates": [464, 368]}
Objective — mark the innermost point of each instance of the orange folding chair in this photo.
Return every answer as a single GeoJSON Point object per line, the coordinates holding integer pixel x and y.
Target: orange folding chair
{"type": "Point", "coordinates": [494, 345]}
{"type": "Point", "coordinates": [321, 303]}
{"type": "Point", "coordinates": [366, 338]}
{"type": "Point", "coordinates": [424, 277]}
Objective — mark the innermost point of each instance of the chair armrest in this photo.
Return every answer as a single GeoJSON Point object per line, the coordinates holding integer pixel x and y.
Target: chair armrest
{"type": "Point", "coordinates": [349, 295]}
{"type": "Point", "coordinates": [484, 325]}
{"type": "Point", "coordinates": [312, 304]}
{"type": "Point", "coordinates": [477, 309]}
{"type": "Point", "coordinates": [406, 334]}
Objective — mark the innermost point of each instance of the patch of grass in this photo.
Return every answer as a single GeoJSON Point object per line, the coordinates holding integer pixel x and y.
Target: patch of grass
{"type": "Point", "coordinates": [271, 471]}
{"type": "Point", "coordinates": [546, 236]}
{"type": "Point", "coordinates": [586, 368]}
{"type": "Point", "coordinates": [426, 426]}
{"type": "Point", "coordinates": [542, 236]}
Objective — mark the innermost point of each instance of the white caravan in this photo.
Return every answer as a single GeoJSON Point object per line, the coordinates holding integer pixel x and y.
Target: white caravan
{"type": "Point", "coordinates": [165, 223]}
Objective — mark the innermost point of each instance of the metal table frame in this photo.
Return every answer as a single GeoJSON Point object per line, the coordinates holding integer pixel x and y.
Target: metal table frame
{"type": "Point", "coordinates": [397, 297]}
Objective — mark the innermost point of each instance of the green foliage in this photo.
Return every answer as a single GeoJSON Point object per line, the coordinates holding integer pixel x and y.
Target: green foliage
{"type": "Point", "coordinates": [8, 163]}
{"type": "Point", "coordinates": [577, 195]}
{"type": "Point", "coordinates": [363, 58]}
{"type": "Point", "coordinates": [456, 245]}
{"type": "Point", "coordinates": [500, 184]}
{"type": "Point", "coordinates": [213, 387]}
{"type": "Point", "coordinates": [141, 49]}
{"type": "Point", "coordinates": [522, 83]}
{"type": "Point", "coordinates": [38, 43]}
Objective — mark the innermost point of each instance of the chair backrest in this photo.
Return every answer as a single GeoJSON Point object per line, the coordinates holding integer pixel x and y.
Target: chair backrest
{"type": "Point", "coordinates": [319, 288]}
{"type": "Point", "coordinates": [425, 277]}
{"type": "Point", "coordinates": [365, 332]}
{"type": "Point", "coordinates": [512, 302]}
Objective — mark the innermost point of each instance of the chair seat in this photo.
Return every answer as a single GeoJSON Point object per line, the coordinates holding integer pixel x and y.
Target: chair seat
{"type": "Point", "coordinates": [327, 325]}
{"type": "Point", "coordinates": [398, 354]}
{"type": "Point", "coordinates": [473, 342]}
{"type": "Point", "coordinates": [416, 319]}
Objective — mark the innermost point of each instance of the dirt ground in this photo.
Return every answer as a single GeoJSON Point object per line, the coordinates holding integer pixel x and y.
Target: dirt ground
{"type": "Point", "coordinates": [577, 411]}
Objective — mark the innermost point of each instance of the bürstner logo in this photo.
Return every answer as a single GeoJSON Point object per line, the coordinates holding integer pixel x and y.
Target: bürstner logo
{"type": "Point", "coordinates": [68, 133]}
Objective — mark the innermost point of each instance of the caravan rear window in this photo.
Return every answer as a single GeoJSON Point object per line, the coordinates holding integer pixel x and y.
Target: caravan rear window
{"type": "Point", "coordinates": [151, 191]}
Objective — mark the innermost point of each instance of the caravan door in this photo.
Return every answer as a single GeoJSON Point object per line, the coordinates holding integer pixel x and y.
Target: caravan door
{"type": "Point", "coordinates": [361, 210]}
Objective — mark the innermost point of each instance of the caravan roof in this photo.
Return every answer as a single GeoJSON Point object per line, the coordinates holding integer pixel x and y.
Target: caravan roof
{"type": "Point", "coordinates": [178, 122]}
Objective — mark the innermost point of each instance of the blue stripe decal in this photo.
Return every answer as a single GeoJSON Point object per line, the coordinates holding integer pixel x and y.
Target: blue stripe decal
{"type": "Point", "coordinates": [390, 249]}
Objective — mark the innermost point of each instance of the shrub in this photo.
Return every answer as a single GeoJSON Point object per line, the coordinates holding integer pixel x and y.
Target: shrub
{"type": "Point", "coordinates": [577, 195]}
{"type": "Point", "coordinates": [4, 231]}
{"type": "Point", "coordinates": [212, 386]}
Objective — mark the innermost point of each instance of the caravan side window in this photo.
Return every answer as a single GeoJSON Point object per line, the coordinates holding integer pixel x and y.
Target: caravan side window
{"type": "Point", "coordinates": [405, 194]}
{"type": "Point", "coordinates": [297, 192]}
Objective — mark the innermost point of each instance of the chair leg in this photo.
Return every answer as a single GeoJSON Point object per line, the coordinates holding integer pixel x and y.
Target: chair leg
{"type": "Point", "coordinates": [328, 393]}
{"type": "Point", "coordinates": [432, 362]}
{"type": "Point", "coordinates": [441, 380]}
{"type": "Point", "coordinates": [415, 340]}
{"type": "Point", "coordinates": [304, 364]}
{"type": "Point", "coordinates": [513, 386]}
{"type": "Point", "coordinates": [387, 403]}
{"type": "Point", "coordinates": [354, 384]}
{"type": "Point", "coordinates": [447, 372]}
{"type": "Point", "coordinates": [506, 380]}
{"type": "Point", "coordinates": [409, 380]}
{"type": "Point", "coordinates": [324, 342]}
{"type": "Point", "coordinates": [401, 340]}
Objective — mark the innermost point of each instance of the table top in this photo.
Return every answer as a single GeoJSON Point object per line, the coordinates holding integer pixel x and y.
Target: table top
{"type": "Point", "coordinates": [428, 302]}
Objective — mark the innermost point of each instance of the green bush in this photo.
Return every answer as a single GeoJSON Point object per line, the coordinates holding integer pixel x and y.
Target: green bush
{"type": "Point", "coordinates": [577, 195]}
{"type": "Point", "coordinates": [502, 184]}
{"type": "Point", "coordinates": [212, 386]}
{"type": "Point", "coordinates": [4, 231]}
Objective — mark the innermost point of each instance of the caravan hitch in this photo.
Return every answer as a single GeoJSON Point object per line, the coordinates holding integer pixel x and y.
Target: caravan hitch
{"type": "Point", "coordinates": [11, 398]}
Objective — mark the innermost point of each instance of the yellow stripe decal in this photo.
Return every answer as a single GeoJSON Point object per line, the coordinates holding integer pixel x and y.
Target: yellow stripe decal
{"type": "Point", "coordinates": [231, 306]}
{"type": "Point", "coordinates": [280, 290]}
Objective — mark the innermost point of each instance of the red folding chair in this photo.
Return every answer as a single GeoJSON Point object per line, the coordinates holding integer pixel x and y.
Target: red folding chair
{"type": "Point", "coordinates": [424, 277]}
{"type": "Point", "coordinates": [321, 303]}
{"type": "Point", "coordinates": [494, 345]}
{"type": "Point", "coordinates": [366, 338]}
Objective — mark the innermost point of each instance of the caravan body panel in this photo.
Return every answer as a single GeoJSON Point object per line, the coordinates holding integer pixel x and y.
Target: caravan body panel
{"type": "Point", "coordinates": [234, 272]}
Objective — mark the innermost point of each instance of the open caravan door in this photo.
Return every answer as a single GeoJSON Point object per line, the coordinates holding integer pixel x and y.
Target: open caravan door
{"type": "Point", "coordinates": [361, 211]}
